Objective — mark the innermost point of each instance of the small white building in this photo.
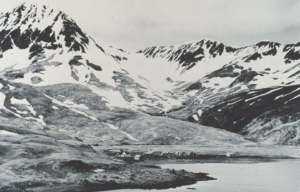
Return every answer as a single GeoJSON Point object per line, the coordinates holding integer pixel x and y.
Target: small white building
{"type": "Point", "coordinates": [137, 157]}
{"type": "Point", "coordinates": [178, 138]}
{"type": "Point", "coordinates": [124, 154]}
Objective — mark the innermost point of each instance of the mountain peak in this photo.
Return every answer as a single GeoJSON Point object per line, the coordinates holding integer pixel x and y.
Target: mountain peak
{"type": "Point", "coordinates": [267, 43]}
{"type": "Point", "coordinates": [34, 23]}
{"type": "Point", "coordinates": [35, 4]}
{"type": "Point", "coordinates": [22, 14]}
{"type": "Point", "coordinates": [196, 42]}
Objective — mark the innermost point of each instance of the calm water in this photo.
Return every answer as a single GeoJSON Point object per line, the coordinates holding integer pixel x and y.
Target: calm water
{"type": "Point", "coordinates": [283, 176]}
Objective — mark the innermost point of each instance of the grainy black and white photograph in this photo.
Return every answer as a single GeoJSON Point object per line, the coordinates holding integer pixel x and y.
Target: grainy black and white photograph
{"type": "Point", "coordinates": [149, 95]}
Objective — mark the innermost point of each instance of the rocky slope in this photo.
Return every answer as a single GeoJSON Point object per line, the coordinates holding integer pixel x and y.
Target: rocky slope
{"type": "Point", "coordinates": [269, 115]}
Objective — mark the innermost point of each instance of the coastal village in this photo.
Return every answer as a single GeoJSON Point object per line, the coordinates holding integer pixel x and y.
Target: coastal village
{"type": "Point", "coordinates": [135, 156]}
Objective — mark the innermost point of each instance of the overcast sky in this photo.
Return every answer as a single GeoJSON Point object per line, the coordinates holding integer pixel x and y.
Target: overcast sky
{"type": "Point", "coordinates": [137, 24]}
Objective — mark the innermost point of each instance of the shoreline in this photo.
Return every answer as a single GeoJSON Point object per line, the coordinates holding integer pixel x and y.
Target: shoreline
{"type": "Point", "coordinates": [121, 173]}
{"type": "Point", "coordinates": [90, 187]}
{"type": "Point", "coordinates": [185, 178]}
{"type": "Point", "coordinates": [113, 177]}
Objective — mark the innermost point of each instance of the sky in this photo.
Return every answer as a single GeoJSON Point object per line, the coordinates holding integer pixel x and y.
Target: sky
{"type": "Point", "coordinates": [137, 24]}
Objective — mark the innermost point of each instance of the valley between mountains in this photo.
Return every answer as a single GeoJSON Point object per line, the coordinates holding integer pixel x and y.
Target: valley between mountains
{"type": "Point", "coordinates": [70, 106]}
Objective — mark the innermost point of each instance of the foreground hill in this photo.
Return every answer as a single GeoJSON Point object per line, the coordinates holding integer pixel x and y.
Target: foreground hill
{"type": "Point", "coordinates": [50, 138]}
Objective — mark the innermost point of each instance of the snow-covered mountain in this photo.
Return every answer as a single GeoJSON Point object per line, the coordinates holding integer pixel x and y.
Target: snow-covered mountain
{"type": "Point", "coordinates": [45, 49]}
{"type": "Point", "coordinates": [42, 46]}
{"type": "Point", "coordinates": [37, 38]}
{"type": "Point", "coordinates": [217, 65]}
{"type": "Point", "coordinates": [187, 55]}
{"type": "Point", "coordinates": [55, 76]}
{"type": "Point", "coordinates": [239, 73]}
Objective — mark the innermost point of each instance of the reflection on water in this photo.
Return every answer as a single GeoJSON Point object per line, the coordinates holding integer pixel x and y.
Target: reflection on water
{"type": "Point", "coordinates": [282, 176]}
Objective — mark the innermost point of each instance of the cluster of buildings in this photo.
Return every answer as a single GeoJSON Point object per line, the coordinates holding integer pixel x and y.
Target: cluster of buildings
{"type": "Point", "coordinates": [156, 155]}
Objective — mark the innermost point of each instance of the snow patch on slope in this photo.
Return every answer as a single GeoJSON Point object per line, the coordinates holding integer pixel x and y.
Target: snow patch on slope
{"type": "Point", "coordinates": [3, 132]}
{"type": "Point", "coordinates": [72, 109]}
{"type": "Point", "coordinates": [23, 102]}
{"type": "Point", "coordinates": [116, 128]}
